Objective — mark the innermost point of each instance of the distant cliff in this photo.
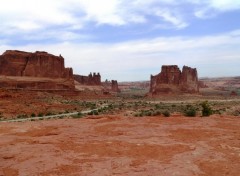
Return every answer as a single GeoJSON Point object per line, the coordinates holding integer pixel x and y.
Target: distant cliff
{"type": "Point", "coordinates": [172, 80]}
{"type": "Point", "coordinates": [38, 64]}
{"type": "Point", "coordinates": [91, 80]}
{"type": "Point", "coordinates": [41, 67]}
{"type": "Point", "coordinates": [111, 86]}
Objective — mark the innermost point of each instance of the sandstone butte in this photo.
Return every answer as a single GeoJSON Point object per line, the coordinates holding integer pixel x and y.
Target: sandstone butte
{"type": "Point", "coordinates": [90, 80]}
{"type": "Point", "coordinates": [111, 86]}
{"type": "Point", "coordinates": [39, 70]}
{"type": "Point", "coordinates": [172, 80]}
{"type": "Point", "coordinates": [95, 80]}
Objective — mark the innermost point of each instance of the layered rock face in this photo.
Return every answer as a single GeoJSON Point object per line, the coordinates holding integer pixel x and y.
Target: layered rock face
{"type": "Point", "coordinates": [115, 86]}
{"type": "Point", "coordinates": [91, 80]}
{"type": "Point", "coordinates": [172, 80]}
{"type": "Point", "coordinates": [41, 70]}
{"type": "Point", "coordinates": [38, 64]}
{"type": "Point", "coordinates": [111, 86]}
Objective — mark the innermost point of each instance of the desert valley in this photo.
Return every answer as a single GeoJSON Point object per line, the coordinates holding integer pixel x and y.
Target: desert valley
{"type": "Point", "coordinates": [54, 121]}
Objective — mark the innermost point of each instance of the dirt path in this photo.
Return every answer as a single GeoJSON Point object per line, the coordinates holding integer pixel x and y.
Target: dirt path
{"type": "Point", "coordinates": [118, 145]}
{"type": "Point", "coordinates": [50, 116]}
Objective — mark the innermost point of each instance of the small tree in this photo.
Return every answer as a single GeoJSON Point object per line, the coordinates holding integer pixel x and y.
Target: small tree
{"type": "Point", "coordinates": [206, 109]}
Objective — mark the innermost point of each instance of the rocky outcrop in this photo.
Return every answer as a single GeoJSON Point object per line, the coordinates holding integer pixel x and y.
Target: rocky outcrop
{"type": "Point", "coordinates": [38, 64]}
{"type": "Point", "coordinates": [115, 86]}
{"type": "Point", "coordinates": [111, 86]}
{"type": "Point", "coordinates": [39, 70]}
{"type": "Point", "coordinates": [91, 80]}
{"type": "Point", "coordinates": [172, 80]}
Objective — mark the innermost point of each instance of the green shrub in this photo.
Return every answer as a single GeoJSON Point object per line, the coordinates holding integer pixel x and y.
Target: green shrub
{"type": "Point", "coordinates": [33, 115]}
{"type": "Point", "coordinates": [49, 113]}
{"type": "Point", "coordinates": [190, 111]}
{"type": "Point", "coordinates": [136, 115]}
{"type": "Point", "coordinates": [40, 114]}
{"type": "Point", "coordinates": [166, 113]}
{"type": "Point", "coordinates": [22, 116]}
{"type": "Point", "coordinates": [206, 109]}
{"type": "Point", "coordinates": [90, 113]}
{"type": "Point", "coordinates": [148, 113]}
{"type": "Point", "coordinates": [156, 113]}
{"type": "Point", "coordinates": [95, 112]}
{"type": "Point", "coordinates": [157, 106]}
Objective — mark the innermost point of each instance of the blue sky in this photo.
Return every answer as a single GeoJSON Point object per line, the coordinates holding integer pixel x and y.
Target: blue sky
{"type": "Point", "coordinates": [127, 40]}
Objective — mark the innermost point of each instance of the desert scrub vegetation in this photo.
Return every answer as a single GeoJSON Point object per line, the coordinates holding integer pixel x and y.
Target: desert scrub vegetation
{"type": "Point", "coordinates": [166, 113]}
{"type": "Point", "coordinates": [40, 114]}
{"type": "Point", "coordinates": [149, 112]}
{"type": "Point", "coordinates": [206, 109]}
{"type": "Point", "coordinates": [93, 112]}
{"type": "Point", "coordinates": [21, 116]}
{"type": "Point", "coordinates": [190, 111]}
{"type": "Point", "coordinates": [78, 115]}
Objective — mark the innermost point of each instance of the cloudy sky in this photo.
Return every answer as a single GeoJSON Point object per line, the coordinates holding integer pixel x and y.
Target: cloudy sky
{"type": "Point", "coordinates": [127, 40]}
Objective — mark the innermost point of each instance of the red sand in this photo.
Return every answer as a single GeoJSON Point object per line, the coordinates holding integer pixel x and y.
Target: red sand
{"type": "Point", "coordinates": [115, 145]}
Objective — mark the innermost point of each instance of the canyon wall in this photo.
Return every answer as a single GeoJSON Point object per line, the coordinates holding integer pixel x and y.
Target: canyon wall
{"type": "Point", "coordinates": [39, 70]}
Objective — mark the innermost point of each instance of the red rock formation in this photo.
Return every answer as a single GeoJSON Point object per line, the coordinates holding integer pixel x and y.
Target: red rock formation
{"type": "Point", "coordinates": [189, 80]}
{"type": "Point", "coordinates": [115, 86]}
{"type": "Point", "coordinates": [38, 64]}
{"type": "Point", "coordinates": [172, 80]}
{"type": "Point", "coordinates": [233, 93]}
{"type": "Point", "coordinates": [111, 86]}
{"type": "Point", "coordinates": [93, 80]}
{"type": "Point", "coordinates": [201, 84]}
{"type": "Point", "coordinates": [47, 68]}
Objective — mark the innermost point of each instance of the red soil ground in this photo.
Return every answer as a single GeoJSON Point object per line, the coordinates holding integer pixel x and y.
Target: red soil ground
{"type": "Point", "coordinates": [117, 145]}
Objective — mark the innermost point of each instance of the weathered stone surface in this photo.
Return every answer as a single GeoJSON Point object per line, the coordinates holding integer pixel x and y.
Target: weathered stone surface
{"type": "Point", "coordinates": [189, 80]}
{"type": "Point", "coordinates": [38, 64]}
{"type": "Point", "coordinates": [172, 80]}
{"type": "Point", "coordinates": [115, 86]}
{"type": "Point", "coordinates": [39, 70]}
{"type": "Point", "coordinates": [91, 80]}
{"type": "Point", "coordinates": [111, 86]}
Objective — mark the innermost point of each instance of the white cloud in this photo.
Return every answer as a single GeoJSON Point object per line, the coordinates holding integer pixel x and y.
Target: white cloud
{"type": "Point", "coordinates": [225, 5]}
{"type": "Point", "coordinates": [169, 17]}
{"type": "Point", "coordinates": [136, 60]}
{"type": "Point", "coordinates": [210, 8]}
{"type": "Point", "coordinates": [27, 15]}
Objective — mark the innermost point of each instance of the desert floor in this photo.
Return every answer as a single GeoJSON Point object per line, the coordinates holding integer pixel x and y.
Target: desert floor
{"type": "Point", "coordinates": [120, 145]}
